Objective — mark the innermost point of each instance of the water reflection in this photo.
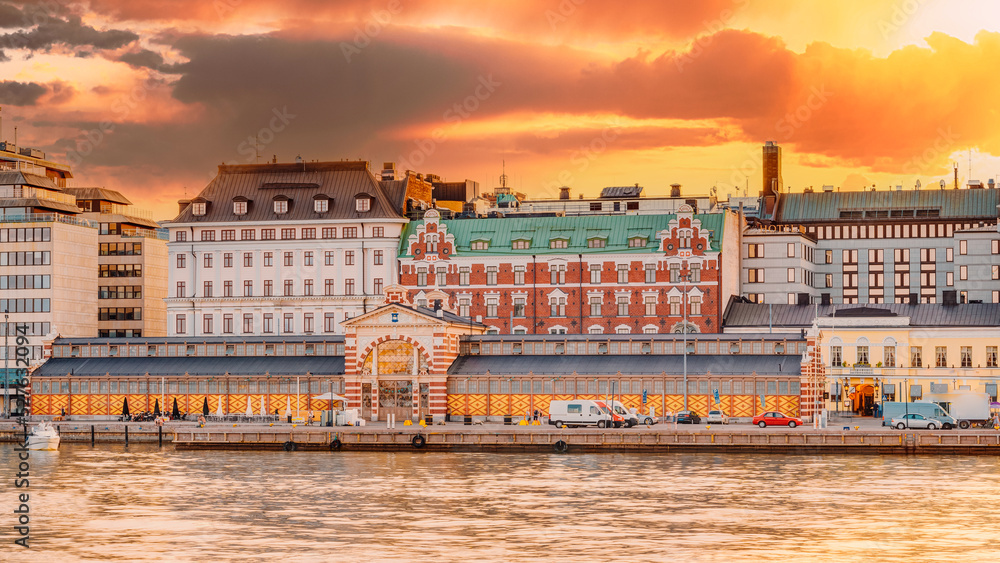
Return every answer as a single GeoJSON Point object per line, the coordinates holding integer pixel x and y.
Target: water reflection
{"type": "Point", "coordinates": [146, 504]}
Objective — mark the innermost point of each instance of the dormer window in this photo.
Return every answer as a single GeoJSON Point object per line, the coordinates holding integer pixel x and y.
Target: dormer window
{"type": "Point", "coordinates": [636, 242]}
{"type": "Point", "coordinates": [239, 207]}
{"type": "Point", "coordinates": [321, 205]}
{"type": "Point", "coordinates": [281, 206]}
{"type": "Point", "coordinates": [521, 244]}
{"type": "Point", "coordinates": [363, 204]}
{"type": "Point", "coordinates": [198, 208]}
{"type": "Point", "coordinates": [481, 245]}
{"type": "Point", "coordinates": [597, 243]}
{"type": "Point", "coordinates": [558, 243]}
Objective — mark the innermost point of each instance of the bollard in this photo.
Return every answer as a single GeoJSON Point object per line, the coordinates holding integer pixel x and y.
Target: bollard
{"type": "Point", "coordinates": [126, 435]}
{"type": "Point", "coordinates": [161, 436]}
{"type": "Point", "coordinates": [468, 420]}
{"type": "Point", "coordinates": [428, 419]}
{"type": "Point", "coordinates": [92, 435]}
{"type": "Point", "coordinates": [507, 420]}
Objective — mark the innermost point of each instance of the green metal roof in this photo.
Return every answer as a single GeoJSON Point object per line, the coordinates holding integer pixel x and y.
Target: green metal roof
{"type": "Point", "coordinates": [540, 230]}
{"type": "Point", "coordinates": [824, 206]}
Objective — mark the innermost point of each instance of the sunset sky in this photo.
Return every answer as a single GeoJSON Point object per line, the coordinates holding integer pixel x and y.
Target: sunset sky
{"type": "Point", "coordinates": [148, 97]}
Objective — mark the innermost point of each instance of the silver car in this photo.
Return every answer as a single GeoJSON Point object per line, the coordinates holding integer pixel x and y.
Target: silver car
{"type": "Point", "coordinates": [717, 416]}
{"type": "Point", "coordinates": [915, 420]}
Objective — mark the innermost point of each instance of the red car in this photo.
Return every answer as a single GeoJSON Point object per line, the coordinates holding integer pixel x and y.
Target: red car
{"type": "Point", "coordinates": [775, 418]}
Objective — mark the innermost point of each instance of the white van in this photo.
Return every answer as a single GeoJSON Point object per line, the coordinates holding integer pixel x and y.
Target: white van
{"type": "Point", "coordinates": [629, 418]}
{"type": "Point", "coordinates": [581, 412]}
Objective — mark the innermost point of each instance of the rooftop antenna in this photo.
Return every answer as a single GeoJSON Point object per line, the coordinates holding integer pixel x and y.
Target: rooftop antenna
{"type": "Point", "coordinates": [503, 174]}
{"type": "Point", "coordinates": [256, 147]}
{"type": "Point", "coordinates": [970, 165]}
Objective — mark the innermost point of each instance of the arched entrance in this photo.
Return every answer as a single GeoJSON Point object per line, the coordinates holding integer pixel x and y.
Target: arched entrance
{"type": "Point", "coordinates": [394, 366]}
{"type": "Point", "coordinates": [863, 399]}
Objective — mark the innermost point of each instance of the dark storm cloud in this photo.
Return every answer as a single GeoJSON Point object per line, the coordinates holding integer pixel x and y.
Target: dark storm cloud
{"type": "Point", "coordinates": [144, 58]}
{"type": "Point", "coordinates": [21, 93]}
{"type": "Point", "coordinates": [11, 16]}
{"type": "Point", "coordinates": [52, 31]}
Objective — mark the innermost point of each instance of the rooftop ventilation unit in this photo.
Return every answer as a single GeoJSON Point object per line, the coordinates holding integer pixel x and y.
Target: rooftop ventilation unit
{"type": "Point", "coordinates": [827, 188]}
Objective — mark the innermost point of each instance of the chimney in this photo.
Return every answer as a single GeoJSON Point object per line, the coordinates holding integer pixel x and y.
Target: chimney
{"type": "Point", "coordinates": [949, 297]}
{"type": "Point", "coordinates": [182, 205]}
{"type": "Point", "coordinates": [803, 299]}
{"type": "Point", "coordinates": [564, 192]}
{"type": "Point", "coordinates": [437, 305]}
{"type": "Point", "coordinates": [824, 299]}
{"type": "Point", "coordinates": [388, 171]}
{"type": "Point", "coordinates": [675, 190]}
{"type": "Point", "coordinates": [439, 313]}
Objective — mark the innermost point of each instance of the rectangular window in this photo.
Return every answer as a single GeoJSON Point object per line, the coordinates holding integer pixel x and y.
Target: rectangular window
{"type": "Point", "coordinates": [207, 289]}
{"type": "Point", "coordinates": [675, 306]}
{"type": "Point", "coordinates": [329, 322]}
{"type": "Point", "coordinates": [463, 275]}
{"type": "Point", "coordinates": [963, 247]}
{"type": "Point", "coordinates": [491, 275]}
{"type": "Point", "coordinates": [208, 235]}
{"type": "Point", "coordinates": [289, 258]}
{"type": "Point", "coordinates": [377, 257]}
{"type": "Point", "coordinates": [557, 306]}
{"type": "Point", "coordinates": [650, 303]}
{"type": "Point", "coordinates": [329, 232]}
{"type": "Point", "coordinates": [377, 286]}
{"type": "Point", "coordinates": [889, 356]}
{"type": "Point", "coordinates": [227, 288]}
{"type": "Point", "coordinates": [289, 288]}
{"type": "Point", "coordinates": [966, 356]}
{"type": "Point", "coordinates": [247, 323]}
{"type": "Point", "coordinates": [350, 232]}
{"type": "Point", "coordinates": [963, 273]}
{"type": "Point", "coordinates": [181, 261]}
{"type": "Point", "coordinates": [349, 286]}
{"type": "Point", "coordinates": [248, 234]}
{"type": "Point", "coordinates": [622, 306]}
{"type": "Point", "coordinates": [328, 258]}
{"type": "Point", "coordinates": [227, 260]}
{"type": "Point", "coordinates": [991, 356]}
{"type": "Point", "coordinates": [463, 306]}
{"type": "Point", "coordinates": [307, 325]}
{"type": "Point", "coordinates": [268, 259]}
{"type": "Point", "coordinates": [941, 356]}
{"type": "Point", "coordinates": [248, 288]}
{"type": "Point", "coordinates": [491, 306]}
{"type": "Point", "coordinates": [227, 324]}
{"type": "Point", "coordinates": [519, 306]}
{"type": "Point", "coordinates": [829, 280]}
{"type": "Point", "coordinates": [595, 306]}
{"type": "Point", "coordinates": [836, 356]}
{"type": "Point", "coordinates": [307, 287]}
{"type": "Point", "coordinates": [181, 289]}
{"type": "Point", "coordinates": [675, 273]}
{"type": "Point", "coordinates": [421, 276]}
{"type": "Point", "coordinates": [650, 273]}
{"type": "Point", "coordinates": [828, 256]}
{"type": "Point", "coordinates": [595, 273]}
{"type": "Point", "coordinates": [248, 259]}
{"type": "Point", "coordinates": [441, 277]}
{"type": "Point", "coordinates": [518, 275]}
{"type": "Point", "coordinates": [557, 275]}
{"type": "Point", "coordinates": [206, 324]}
{"type": "Point", "coordinates": [791, 250]}
{"type": "Point", "coordinates": [309, 234]}
{"type": "Point", "coordinates": [694, 271]}
{"type": "Point", "coordinates": [695, 305]}
{"type": "Point", "coordinates": [288, 323]}
{"type": "Point", "coordinates": [622, 273]}
{"type": "Point", "coordinates": [791, 275]}
{"type": "Point", "coordinates": [287, 234]}
{"type": "Point", "coordinates": [863, 355]}
{"type": "Point", "coordinates": [268, 326]}
{"type": "Point", "coordinates": [268, 288]}
{"type": "Point", "coordinates": [181, 324]}
{"type": "Point", "coordinates": [208, 260]}
{"type": "Point", "coordinates": [349, 258]}
{"type": "Point", "coordinates": [328, 287]}
{"type": "Point", "coordinates": [916, 357]}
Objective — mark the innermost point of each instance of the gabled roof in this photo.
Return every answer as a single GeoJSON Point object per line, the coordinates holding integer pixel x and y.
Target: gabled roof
{"type": "Point", "coordinates": [801, 316]}
{"type": "Point", "coordinates": [9, 177]}
{"type": "Point", "coordinates": [300, 182]}
{"type": "Point", "coordinates": [540, 230]}
{"type": "Point", "coordinates": [446, 317]}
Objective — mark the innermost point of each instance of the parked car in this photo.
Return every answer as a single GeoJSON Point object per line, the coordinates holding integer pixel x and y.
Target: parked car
{"type": "Point", "coordinates": [915, 420]}
{"type": "Point", "coordinates": [717, 416]}
{"type": "Point", "coordinates": [775, 418]}
{"type": "Point", "coordinates": [687, 417]}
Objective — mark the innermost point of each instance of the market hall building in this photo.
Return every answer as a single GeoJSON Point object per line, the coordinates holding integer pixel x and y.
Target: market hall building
{"type": "Point", "coordinates": [412, 361]}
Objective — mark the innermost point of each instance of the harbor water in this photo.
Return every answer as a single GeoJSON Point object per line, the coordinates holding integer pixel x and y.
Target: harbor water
{"type": "Point", "coordinates": [143, 503]}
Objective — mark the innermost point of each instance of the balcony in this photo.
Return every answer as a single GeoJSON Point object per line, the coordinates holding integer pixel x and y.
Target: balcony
{"type": "Point", "coordinates": [47, 218]}
{"type": "Point", "coordinates": [17, 192]}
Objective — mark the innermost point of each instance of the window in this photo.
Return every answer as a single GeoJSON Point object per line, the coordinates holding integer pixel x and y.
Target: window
{"type": "Point", "coordinates": [307, 258]}
{"type": "Point", "coordinates": [289, 323]}
{"type": "Point", "coordinates": [850, 256]}
{"type": "Point", "coordinates": [755, 275]}
{"type": "Point", "coordinates": [248, 234]}
{"type": "Point", "coordinates": [963, 247]}
{"type": "Point", "coordinates": [362, 204]}
{"type": "Point", "coordinates": [491, 275]}
{"type": "Point", "coordinates": [675, 305]}
{"type": "Point", "coordinates": [963, 272]}
{"type": "Point", "coordinates": [521, 245]}
{"type": "Point", "coordinates": [268, 259]}
{"type": "Point", "coordinates": [421, 276]}
{"type": "Point", "coordinates": [755, 250]}
{"type": "Point", "coordinates": [595, 330]}
{"type": "Point", "coordinates": [329, 322]}
{"type": "Point", "coordinates": [329, 232]}
{"type": "Point", "coordinates": [480, 245]}
{"type": "Point", "coordinates": [597, 243]}
{"type": "Point", "coordinates": [227, 288]}
{"type": "Point", "coordinates": [650, 302]}
{"type": "Point", "coordinates": [557, 275]}
{"type": "Point", "coordinates": [966, 356]}
{"type": "Point", "coordinates": [248, 288]}
{"type": "Point", "coordinates": [281, 206]}
{"type": "Point", "coordinates": [949, 278]}
{"type": "Point", "coordinates": [378, 286]}
{"type": "Point", "coordinates": [181, 236]}
{"type": "Point", "coordinates": [636, 242]}
{"type": "Point", "coordinates": [377, 257]}
{"type": "Point", "coordinates": [863, 355]}
{"type": "Point", "coordinates": [289, 288]}
{"type": "Point", "coordinates": [248, 259]}
{"type": "Point", "coordinates": [622, 330]}
{"type": "Point", "coordinates": [181, 260]}
{"type": "Point", "coordinates": [941, 356]}
{"type": "Point", "coordinates": [228, 234]}
{"type": "Point", "coordinates": [321, 205]}
{"type": "Point", "coordinates": [491, 306]}
{"type": "Point", "coordinates": [227, 260]}
{"type": "Point", "coordinates": [442, 276]}
{"type": "Point", "coordinates": [198, 208]}
{"type": "Point", "coordinates": [180, 324]}
{"type": "Point", "coordinates": [519, 306]}
{"type": "Point", "coordinates": [916, 357]}
{"type": "Point", "coordinates": [558, 243]}
{"type": "Point", "coordinates": [240, 207]}
{"type": "Point", "coordinates": [287, 234]}
{"type": "Point", "coordinates": [557, 306]}
{"type": "Point", "coordinates": [267, 234]}
{"type": "Point", "coordinates": [791, 250]}
{"type": "Point", "coordinates": [650, 273]}
{"type": "Point", "coordinates": [268, 326]}
{"type": "Point", "coordinates": [889, 356]}
{"type": "Point", "coordinates": [328, 257]}
{"type": "Point", "coordinates": [595, 306]}
{"type": "Point", "coordinates": [180, 289]}
{"type": "Point", "coordinates": [206, 324]}
{"type": "Point", "coordinates": [207, 235]}
{"type": "Point", "coordinates": [307, 287]}
{"type": "Point", "coordinates": [349, 286]}
{"type": "Point", "coordinates": [694, 270]}
{"type": "Point", "coordinates": [996, 272]}
{"type": "Point", "coordinates": [791, 275]}
{"type": "Point", "coordinates": [518, 275]}
{"type": "Point", "coordinates": [828, 256]}
{"type": "Point", "coordinates": [622, 273]}
{"type": "Point", "coordinates": [289, 258]}
{"type": "Point", "coordinates": [836, 356]}
{"type": "Point", "coordinates": [268, 288]}
{"type": "Point", "coordinates": [622, 306]}
{"type": "Point", "coordinates": [207, 289]}
{"type": "Point", "coordinates": [208, 260]}
{"type": "Point", "coordinates": [309, 234]}
{"type": "Point", "coordinates": [307, 324]}
{"type": "Point", "coordinates": [991, 356]}
{"type": "Point", "coordinates": [829, 280]}
{"type": "Point", "coordinates": [247, 323]}
{"type": "Point", "coordinates": [695, 306]}
{"type": "Point", "coordinates": [328, 287]}
{"type": "Point", "coordinates": [463, 275]}
{"type": "Point", "coordinates": [349, 258]}
{"type": "Point", "coordinates": [227, 324]}
{"type": "Point", "coordinates": [595, 273]}
{"type": "Point", "coordinates": [675, 273]}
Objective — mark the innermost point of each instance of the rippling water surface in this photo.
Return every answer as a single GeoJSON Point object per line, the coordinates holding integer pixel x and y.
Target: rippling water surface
{"type": "Point", "coordinates": [146, 504]}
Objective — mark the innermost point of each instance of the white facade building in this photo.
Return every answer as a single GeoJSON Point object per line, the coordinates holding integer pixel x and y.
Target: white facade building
{"type": "Point", "coordinates": [293, 248]}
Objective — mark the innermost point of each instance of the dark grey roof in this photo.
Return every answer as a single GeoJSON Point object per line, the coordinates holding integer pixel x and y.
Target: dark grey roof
{"type": "Point", "coordinates": [826, 206]}
{"type": "Point", "coordinates": [216, 365]}
{"type": "Point", "coordinates": [445, 315]}
{"type": "Point", "coordinates": [721, 364]}
{"type": "Point", "coordinates": [801, 316]}
{"type": "Point", "coordinates": [39, 202]}
{"type": "Point", "coordinates": [8, 177]}
{"type": "Point", "coordinates": [395, 191]}
{"type": "Point", "coordinates": [300, 182]}
{"type": "Point", "coordinates": [99, 194]}
{"type": "Point", "coordinates": [202, 340]}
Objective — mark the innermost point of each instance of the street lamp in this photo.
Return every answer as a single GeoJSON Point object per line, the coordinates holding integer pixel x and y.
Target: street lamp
{"type": "Point", "coordinates": [684, 328]}
{"type": "Point", "coordinates": [6, 360]}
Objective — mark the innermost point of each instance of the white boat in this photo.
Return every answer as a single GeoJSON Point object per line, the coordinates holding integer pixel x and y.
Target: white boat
{"type": "Point", "coordinates": [43, 437]}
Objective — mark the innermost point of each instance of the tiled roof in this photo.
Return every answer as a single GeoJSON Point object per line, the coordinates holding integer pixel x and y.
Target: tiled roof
{"type": "Point", "coordinates": [801, 316]}
{"type": "Point", "coordinates": [540, 230]}
{"type": "Point", "coordinates": [719, 364]}
{"type": "Point", "coordinates": [300, 182]}
{"type": "Point", "coordinates": [191, 365]}
{"type": "Point", "coordinates": [826, 206]}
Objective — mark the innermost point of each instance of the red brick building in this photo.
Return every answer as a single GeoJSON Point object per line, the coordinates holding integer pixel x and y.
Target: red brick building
{"type": "Point", "coordinates": [628, 274]}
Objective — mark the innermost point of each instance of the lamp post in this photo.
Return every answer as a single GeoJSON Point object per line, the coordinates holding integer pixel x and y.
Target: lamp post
{"type": "Point", "coordinates": [6, 360]}
{"type": "Point", "coordinates": [684, 327]}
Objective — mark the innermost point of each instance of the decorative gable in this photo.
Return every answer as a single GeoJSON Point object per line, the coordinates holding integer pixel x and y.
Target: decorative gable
{"type": "Point", "coordinates": [684, 236]}
{"type": "Point", "coordinates": [431, 241]}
